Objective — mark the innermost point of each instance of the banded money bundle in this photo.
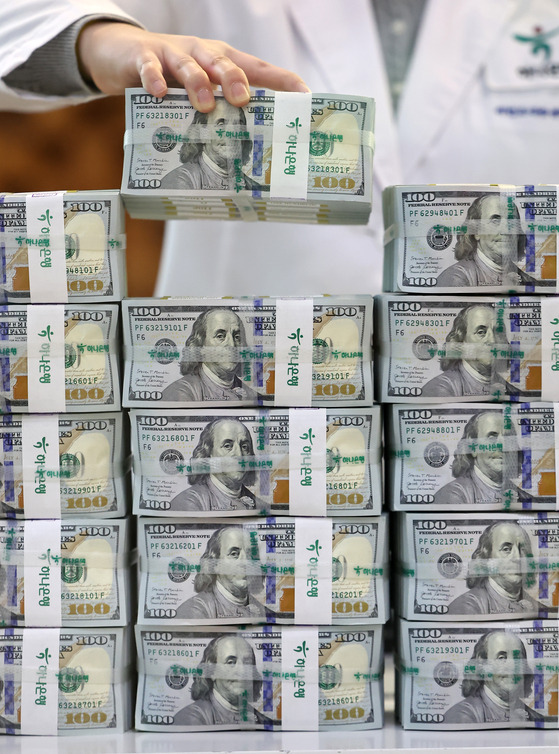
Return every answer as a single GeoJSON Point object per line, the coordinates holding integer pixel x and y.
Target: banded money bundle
{"type": "Point", "coordinates": [64, 681]}
{"type": "Point", "coordinates": [477, 675]}
{"type": "Point", "coordinates": [56, 358]}
{"type": "Point", "coordinates": [266, 678]}
{"type": "Point", "coordinates": [470, 239]}
{"type": "Point", "coordinates": [62, 246]}
{"type": "Point", "coordinates": [261, 351]}
{"type": "Point", "coordinates": [432, 349]}
{"type": "Point", "coordinates": [235, 462]}
{"type": "Point", "coordinates": [55, 573]}
{"type": "Point", "coordinates": [283, 157]}
{"type": "Point", "coordinates": [275, 570]}
{"type": "Point", "coordinates": [477, 566]}
{"type": "Point", "coordinates": [474, 456]}
{"type": "Point", "coordinates": [80, 469]}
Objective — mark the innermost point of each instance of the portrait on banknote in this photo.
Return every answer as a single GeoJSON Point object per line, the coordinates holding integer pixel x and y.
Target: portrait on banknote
{"type": "Point", "coordinates": [500, 680]}
{"type": "Point", "coordinates": [230, 575]}
{"type": "Point", "coordinates": [221, 489]}
{"type": "Point", "coordinates": [210, 366]}
{"type": "Point", "coordinates": [498, 576]}
{"type": "Point", "coordinates": [227, 687]}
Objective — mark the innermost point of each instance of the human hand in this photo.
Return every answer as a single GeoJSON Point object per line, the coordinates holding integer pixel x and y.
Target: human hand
{"type": "Point", "coordinates": [118, 55]}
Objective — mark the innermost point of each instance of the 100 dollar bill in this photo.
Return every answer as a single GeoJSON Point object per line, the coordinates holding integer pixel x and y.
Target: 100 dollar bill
{"type": "Point", "coordinates": [263, 678]}
{"type": "Point", "coordinates": [191, 352]}
{"type": "Point", "coordinates": [472, 457]}
{"type": "Point", "coordinates": [201, 573]}
{"type": "Point", "coordinates": [240, 462]}
{"type": "Point", "coordinates": [477, 566]}
{"type": "Point", "coordinates": [472, 676]}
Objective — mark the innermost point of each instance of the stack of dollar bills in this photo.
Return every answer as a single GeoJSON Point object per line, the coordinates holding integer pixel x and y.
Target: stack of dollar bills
{"type": "Point", "coordinates": [65, 681]}
{"type": "Point", "coordinates": [470, 239]}
{"type": "Point", "coordinates": [248, 351]}
{"type": "Point", "coordinates": [285, 678]}
{"type": "Point", "coordinates": [172, 460]}
{"type": "Point", "coordinates": [76, 235]}
{"type": "Point", "coordinates": [283, 158]}
{"type": "Point", "coordinates": [432, 452]}
{"type": "Point", "coordinates": [472, 676]}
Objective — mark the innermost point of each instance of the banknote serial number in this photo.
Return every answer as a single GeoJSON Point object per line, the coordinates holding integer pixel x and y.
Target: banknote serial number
{"type": "Point", "coordinates": [334, 702]}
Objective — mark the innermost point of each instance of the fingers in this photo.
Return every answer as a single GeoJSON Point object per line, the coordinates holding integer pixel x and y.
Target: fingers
{"type": "Point", "coordinates": [263, 74]}
{"type": "Point", "coordinates": [151, 76]}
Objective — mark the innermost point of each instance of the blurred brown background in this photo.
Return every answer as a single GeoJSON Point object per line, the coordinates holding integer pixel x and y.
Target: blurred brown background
{"type": "Point", "coordinates": [78, 148]}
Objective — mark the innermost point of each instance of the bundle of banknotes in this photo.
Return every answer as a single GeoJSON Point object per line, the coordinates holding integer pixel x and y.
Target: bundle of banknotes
{"type": "Point", "coordinates": [64, 681]}
{"type": "Point", "coordinates": [278, 570]}
{"type": "Point", "coordinates": [477, 675]}
{"type": "Point", "coordinates": [470, 239]}
{"type": "Point", "coordinates": [474, 456]}
{"type": "Point", "coordinates": [283, 157]}
{"type": "Point", "coordinates": [252, 351]}
{"type": "Point", "coordinates": [240, 462]}
{"type": "Point", "coordinates": [431, 348]}
{"type": "Point", "coordinates": [55, 573]}
{"type": "Point", "coordinates": [75, 236]}
{"type": "Point", "coordinates": [59, 358]}
{"type": "Point", "coordinates": [264, 678]}
{"type": "Point", "coordinates": [63, 466]}
{"type": "Point", "coordinates": [477, 566]}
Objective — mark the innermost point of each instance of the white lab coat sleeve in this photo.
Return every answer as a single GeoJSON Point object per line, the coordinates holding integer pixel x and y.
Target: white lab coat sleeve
{"type": "Point", "coordinates": [25, 26]}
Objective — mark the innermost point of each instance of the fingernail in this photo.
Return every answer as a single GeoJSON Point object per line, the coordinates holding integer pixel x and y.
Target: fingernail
{"type": "Point", "coordinates": [302, 87]}
{"type": "Point", "coordinates": [205, 97]}
{"type": "Point", "coordinates": [159, 88]}
{"type": "Point", "coordinates": [239, 92]}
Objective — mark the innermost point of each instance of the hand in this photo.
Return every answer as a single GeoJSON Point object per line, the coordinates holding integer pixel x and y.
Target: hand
{"type": "Point", "coordinates": [118, 55]}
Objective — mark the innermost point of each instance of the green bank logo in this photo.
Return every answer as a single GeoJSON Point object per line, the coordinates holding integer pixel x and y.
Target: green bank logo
{"type": "Point", "coordinates": [539, 40]}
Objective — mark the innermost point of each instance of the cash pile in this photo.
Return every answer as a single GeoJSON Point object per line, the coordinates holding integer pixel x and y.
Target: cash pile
{"type": "Point", "coordinates": [64, 681]}
{"type": "Point", "coordinates": [254, 352]}
{"type": "Point", "coordinates": [81, 237]}
{"type": "Point", "coordinates": [433, 451]}
{"type": "Point", "coordinates": [173, 466]}
{"type": "Point", "coordinates": [282, 158]}
{"type": "Point", "coordinates": [468, 676]}
{"type": "Point", "coordinates": [307, 678]}
{"type": "Point", "coordinates": [470, 239]}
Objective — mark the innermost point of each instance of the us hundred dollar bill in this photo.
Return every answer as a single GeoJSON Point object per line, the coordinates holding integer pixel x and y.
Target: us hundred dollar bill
{"type": "Point", "coordinates": [277, 570]}
{"type": "Point", "coordinates": [475, 238]}
{"type": "Point", "coordinates": [241, 462]}
{"type": "Point", "coordinates": [252, 352]}
{"type": "Point", "coordinates": [235, 163]}
{"type": "Point", "coordinates": [88, 252]}
{"type": "Point", "coordinates": [64, 681]}
{"type": "Point", "coordinates": [477, 675]}
{"type": "Point", "coordinates": [471, 457]}
{"type": "Point", "coordinates": [262, 678]}
{"type": "Point", "coordinates": [60, 358]}
{"type": "Point", "coordinates": [477, 566]}
{"type": "Point", "coordinates": [486, 349]}
{"type": "Point", "coordinates": [83, 578]}
{"type": "Point", "coordinates": [85, 469]}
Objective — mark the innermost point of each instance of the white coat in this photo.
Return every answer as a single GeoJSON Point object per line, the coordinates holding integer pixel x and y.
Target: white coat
{"type": "Point", "coordinates": [481, 104]}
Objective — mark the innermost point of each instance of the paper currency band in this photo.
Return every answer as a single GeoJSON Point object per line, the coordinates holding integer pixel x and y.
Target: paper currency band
{"type": "Point", "coordinates": [110, 244]}
{"type": "Point", "coordinates": [550, 349]}
{"type": "Point", "coordinates": [321, 352]}
{"type": "Point", "coordinates": [453, 667]}
{"type": "Point", "coordinates": [109, 346]}
{"type": "Point", "coordinates": [478, 567]}
{"type": "Point", "coordinates": [505, 227]}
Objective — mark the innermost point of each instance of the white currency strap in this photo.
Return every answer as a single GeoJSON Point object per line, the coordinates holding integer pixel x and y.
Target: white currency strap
{"type": "Point", "coordinates": [294, 348]}
{"type": "Point", "coordinates": [41, 565]}
{"type": "Point", "coordinates": [46, 249]}
{"type": "Point", "coordinates": [307, 462]}
{"type": "Point", "coordinates": [299, 694]}
{"type": "Point", "coordinates": [45, 359]}
{"type": "Point", "coordinates": [290, 145]}
{"type": "Point", "coordinates": [40, 458]}
{"type": "Point", "coordinates": [550, 348]}
{"type": "Point", "coordinates": [556, 435]}
{"type": "Point", "coordinates": [313, 571]}
{"type": "Point", "coordinates": [39, 681]}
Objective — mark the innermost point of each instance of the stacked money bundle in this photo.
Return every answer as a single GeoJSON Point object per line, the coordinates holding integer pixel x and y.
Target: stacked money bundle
{"type": "Point", "coordinates": [470, 239]}
{"type": "Point", "coordinates": [252, 351]}
{"type": "Point", "coordinates": [65, 681]}
{"type": "Point", "coordinates": [306, 678]}
{"type": "Point", "coordinates": [468, 676]}
{"type": "Point", "coordinates": [283, 158]}
{"type": "Point", "coordinates": [175, 469]}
